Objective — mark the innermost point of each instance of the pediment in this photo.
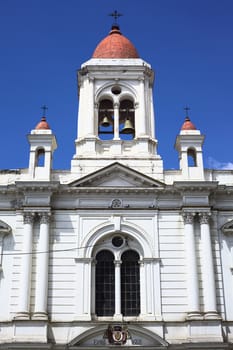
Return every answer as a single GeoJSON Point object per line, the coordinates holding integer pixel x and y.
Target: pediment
{"type": "Point", "coordinates": [117, 175]}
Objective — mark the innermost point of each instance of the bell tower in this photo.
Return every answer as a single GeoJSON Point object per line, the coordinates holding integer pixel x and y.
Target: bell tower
{"type": "Point", "coordinates": [189, 145]}
{"type": "Point", "coordinates": [116, 115]}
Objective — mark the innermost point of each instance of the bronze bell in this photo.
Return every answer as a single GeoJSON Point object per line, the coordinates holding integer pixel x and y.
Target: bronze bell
{"type": "Point", "coordinates": [105, 122]}
{"type": "Point", "coordinates": [128, 127]}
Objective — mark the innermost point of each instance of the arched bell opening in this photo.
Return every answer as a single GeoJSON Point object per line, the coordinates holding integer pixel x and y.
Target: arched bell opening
{"type": "Point", "coordinates": [105, 120]}
{"type": "Point", "coordinates": [127, 120]}
{"type": "Point", "coordinates": [192, 157]}
{"type": "Point", "coordinates": [40, 157]}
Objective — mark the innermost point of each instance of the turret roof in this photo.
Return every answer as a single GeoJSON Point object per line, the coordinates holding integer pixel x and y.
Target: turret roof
{"type": "Point", "coordinates": [115, 45]}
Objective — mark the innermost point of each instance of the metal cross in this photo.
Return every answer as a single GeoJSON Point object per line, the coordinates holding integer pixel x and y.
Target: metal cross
{"type": "Point", "coordinates": [115, 15]}
{"type": "Point", "coordinates": [187, 109]}
{"type": "Point", "coordinates": [44, 108]}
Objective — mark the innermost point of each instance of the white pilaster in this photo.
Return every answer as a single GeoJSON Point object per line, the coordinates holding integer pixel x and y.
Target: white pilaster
{"type": "Point", "coordinates": [140, 122]}
{"type": "Point", "coordinates": [41, 291]}
{"type": "Point", "coordinates": [210, 307]}
{"type": "Point", "coordinates": [86, 286]}
{"type": "Point", "coordinates": [116, 121]}
{"type": "Point", "coordinates": [82, 113]}
{"type": "Point", "coordinates": [192, 274]}
{"type": "Point", "coordinates": [25, 285]}
{"type": "Point", "coordinates": [142, 288]}
{"type": "Point", "coordinates": [117, 314]}
{"type": "Point", "coordinates": [93, 291]}
{"type": "Point", "coordinates": [90, 105]}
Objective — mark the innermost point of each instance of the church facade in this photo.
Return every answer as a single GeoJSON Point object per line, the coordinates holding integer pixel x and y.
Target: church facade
{"type": "Point", "coordinates": [116, 252]}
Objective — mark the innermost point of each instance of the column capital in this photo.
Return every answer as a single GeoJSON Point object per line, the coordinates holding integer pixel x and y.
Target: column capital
{"type": "Point", "coordinates": [204, 217]}
{"type": "Point", "coordinates": [117, 263]}
{"type": "Point", "coordinates": [116, 105]}
{"type": "Point", "coordinates": [28, 218]}
{"type": "Point", "coordinates": [188, 217]}
{"type": "Point", "coordinates": [44, 218]}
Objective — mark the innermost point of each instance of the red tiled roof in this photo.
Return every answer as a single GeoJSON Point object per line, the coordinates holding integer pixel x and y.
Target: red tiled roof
{"type": "Point", "coordinates": [115, 45]}
{"type": "Point", "coordinates": [188, 125]}
{"type": "Point", "coordinates": [42, 125]}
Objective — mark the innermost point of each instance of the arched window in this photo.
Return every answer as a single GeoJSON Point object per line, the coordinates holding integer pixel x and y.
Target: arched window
{"type": "Point", "coordinates": [40, 157]}
{"type": "Point", "coordinates": [126, 116]}
{"type": "Point", "coordinates": [105, 284]}
{"type": "Point", "coordinates": [130, 284]}
{"type": "Point", "coordinates": [192, 159]}
{"type": "Point", "coordinates": [105, 120]}
{"type": "Point", "coordinates": [117, 280]}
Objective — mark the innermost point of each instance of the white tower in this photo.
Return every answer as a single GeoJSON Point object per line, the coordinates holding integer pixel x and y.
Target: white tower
{"type": "Point", "coordinates": [116, 116]}
{"type": "Point", "coordinates": [189, 145]}
{"type": "Point", "coordinates": [42, 145]}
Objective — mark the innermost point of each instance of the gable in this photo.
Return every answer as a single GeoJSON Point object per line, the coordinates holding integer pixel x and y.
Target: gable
{"type": "Point", "coordinates": [117, 175]}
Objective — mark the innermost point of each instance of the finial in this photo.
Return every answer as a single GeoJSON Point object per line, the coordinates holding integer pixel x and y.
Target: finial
{"type": "Point", "coordinates": [187, 109]}
{"type": "Point", "coordinates": [44, 108]}
{"type": "Point", "coordinates": [115, 15]}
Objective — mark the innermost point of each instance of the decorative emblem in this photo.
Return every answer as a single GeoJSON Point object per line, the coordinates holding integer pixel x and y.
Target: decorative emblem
{"type": "Point", "coordinates": [117, 335]}
{"type": "Point", "coordinates": [116, 203]}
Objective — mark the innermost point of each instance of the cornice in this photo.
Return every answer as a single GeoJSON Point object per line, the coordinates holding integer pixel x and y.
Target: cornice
{"type": "Point", "coordinates": [36, 186]}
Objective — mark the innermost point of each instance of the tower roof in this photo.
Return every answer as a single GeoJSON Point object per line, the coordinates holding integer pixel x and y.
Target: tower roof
{"type": "Point", "coordinates": [115, 45]}
{"type": "Point", "coordinates": [42, 125]}
{"type": "Point", "coordinates": [188, 125]}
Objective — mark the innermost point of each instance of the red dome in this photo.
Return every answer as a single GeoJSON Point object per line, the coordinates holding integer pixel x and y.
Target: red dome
{"type": "Point", "coordinates": [115, 45]}
{"type": "Point", "coordinates": [42, 125]}
{"type": "Point", "coordinates": [188, 125]}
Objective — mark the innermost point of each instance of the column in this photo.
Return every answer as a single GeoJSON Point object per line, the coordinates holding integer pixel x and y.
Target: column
{"type": "Point", "coordinates": [117, 314]}
{"type": "Point", "coordinates": [42, 266]}
{"type": "Point", "coordinates": [26, 265]}
{"type": "Point", "coordinates": [207, 267]}
{"type": "Point", "coordinates": [116, 121]}
{"type": "Point", "coordinates": [192, 274]}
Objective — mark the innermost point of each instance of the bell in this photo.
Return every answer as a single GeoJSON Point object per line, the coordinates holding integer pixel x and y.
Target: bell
{"type": "Point", "coordinates": [105, 122]}
{"type": "Point", "coordinates": [128, 127]}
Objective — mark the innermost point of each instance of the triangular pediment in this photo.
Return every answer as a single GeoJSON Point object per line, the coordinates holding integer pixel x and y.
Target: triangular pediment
{"type": "Point", "coordinates": [117, 175]}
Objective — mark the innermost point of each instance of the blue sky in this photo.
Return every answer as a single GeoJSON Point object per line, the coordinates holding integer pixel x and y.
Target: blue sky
{"type": "Point", "coordinates": [189, 44]}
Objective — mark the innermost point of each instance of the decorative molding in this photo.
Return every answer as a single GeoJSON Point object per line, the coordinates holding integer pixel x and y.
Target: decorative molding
{"type": "Point", "coordinates": [204, 218]}
{"type": "Point", "coordinates": [227, 228]}
{"type": "Point", "coordinates": [4, 230]}
{"type": "Point", "coordinates": [116, 203]}
{"type": "Point", "coordinates": [44, 218]}
{"type": "Point", "coordinates": [188, 217]}
{"type": "Point", "coordinates": [28, 218]}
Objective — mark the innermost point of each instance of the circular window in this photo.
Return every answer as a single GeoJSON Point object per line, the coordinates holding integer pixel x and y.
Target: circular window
{"type": "Point", "coordinates": [117, 241]}
{"type": "Point", "coordinates": [116, 90]}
